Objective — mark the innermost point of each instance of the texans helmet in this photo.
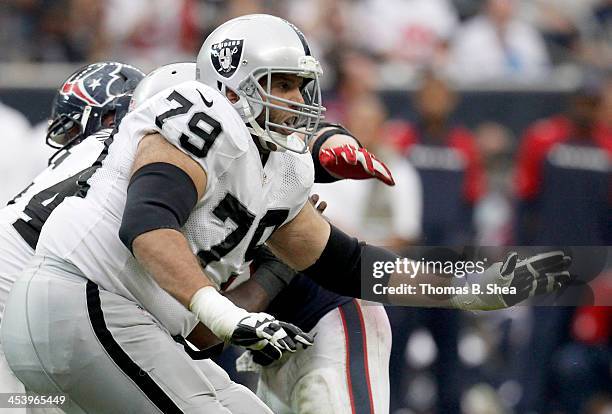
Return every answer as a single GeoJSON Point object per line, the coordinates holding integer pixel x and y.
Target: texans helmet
{"type": "Point", "coordinates": [87, 99]}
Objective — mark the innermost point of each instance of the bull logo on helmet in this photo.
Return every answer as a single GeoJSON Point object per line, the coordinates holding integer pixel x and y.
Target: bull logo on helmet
{"type": "Point", "coordinates": [225, 56]}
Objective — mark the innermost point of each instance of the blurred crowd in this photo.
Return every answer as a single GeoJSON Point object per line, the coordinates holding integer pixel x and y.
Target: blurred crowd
{"type": "Point", "coordinates": [550, 184]}
{"type": "Point", "coordinates": [470, 40]}
{"type": "Point", "coordinates": [491, 184]}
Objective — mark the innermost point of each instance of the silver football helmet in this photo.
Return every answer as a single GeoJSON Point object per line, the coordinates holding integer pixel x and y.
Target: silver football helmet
{"type": "Point", "coordinates": [242, 51]}
{"type": "Point", "coordinates": [162, 78]}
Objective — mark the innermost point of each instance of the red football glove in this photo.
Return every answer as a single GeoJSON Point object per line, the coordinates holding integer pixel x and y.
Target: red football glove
{"type": "Point", "coordinates": [356, 163]}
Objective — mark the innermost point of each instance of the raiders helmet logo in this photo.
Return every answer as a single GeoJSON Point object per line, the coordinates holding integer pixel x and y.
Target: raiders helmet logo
{"type": "Point", "coordinates": [226, 55]}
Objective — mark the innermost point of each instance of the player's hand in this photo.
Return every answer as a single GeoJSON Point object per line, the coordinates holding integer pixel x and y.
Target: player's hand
{"type": "Point", "coordinates": [262, 332]}
{"type": "Point", "coordinates": [539, 274]}
{"type": "Point", "coordinates": [321, 206]}
{"type": "Point", "coordinates": [348, 161]}
{"type": "Point", "coordinates": [264, 359]}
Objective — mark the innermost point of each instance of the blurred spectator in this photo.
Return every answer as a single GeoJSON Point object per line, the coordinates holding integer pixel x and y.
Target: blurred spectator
{"type": "Point", "coordinates": [378, 214]}
{"type": "Point", "coordinates": [14, 44]}
{"type": "Point", "coordinates": [21, 158]}
{"type": "Point", "coordinates": [563, 181]}
{"type": "Point", "coordinates": [563, 176]}
{"type": "Point", "coordinates": [412, 33]}
{"type": "Point", "coordinates": [52, 31]}
{"type": "Point", "coordinates": [237, 8]}
{"type": "Point", "coordinates": [151, 32]}
{"type": "Point", "coordinates": [597, 48]}
{"type": "Point", "coordinates": [448, 162]}
{"type": "Point", "coordinates": [356, 77]}
{"type": "Point", "coordinates": [493, 213]}
{"type": "Point", "coordinates": [496, 45]}
{"type": "Point", "coordinates": [581, 369]}
{"type": "Point", "coordinates": [604, 112]}
{"type": "Point", "coordinates": [561, 23]}
{"type": "Point", "coordinates": [327, 26]}
{"type": "Point", "coordinates": [575, 31]}
{"type": "Point", "coordinates": [467, 8]}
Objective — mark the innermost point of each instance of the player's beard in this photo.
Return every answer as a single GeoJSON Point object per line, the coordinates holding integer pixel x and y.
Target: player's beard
{"type": "Point", "coordinates": [277, 116]}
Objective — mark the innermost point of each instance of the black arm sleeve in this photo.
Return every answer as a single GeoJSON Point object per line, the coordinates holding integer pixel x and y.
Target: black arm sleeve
{"type": "Point", "coordinates": [270, 272]}
{"type": "Point", "coordinates": [345, 266]}
{"type": "Point", "coordinates": [321, 174]}
{"type": "Point", "coordinates": [159, 196]}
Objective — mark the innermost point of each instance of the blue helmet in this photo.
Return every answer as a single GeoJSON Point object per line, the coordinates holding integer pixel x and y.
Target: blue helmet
{"type": "Point", "coordinates": [87, 99]}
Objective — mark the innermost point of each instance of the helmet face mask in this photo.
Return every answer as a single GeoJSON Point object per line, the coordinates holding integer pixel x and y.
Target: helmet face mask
{"type": "Point", "coordinates": [63, 129]}
{"type": "Point", "coordinates": [306, 116]}
{"type": "Point", "coordinates": [244, 55]}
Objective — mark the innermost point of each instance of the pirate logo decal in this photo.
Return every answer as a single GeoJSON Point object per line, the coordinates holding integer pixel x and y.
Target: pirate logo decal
{"type": "Point", "coordinates": [225, 56]}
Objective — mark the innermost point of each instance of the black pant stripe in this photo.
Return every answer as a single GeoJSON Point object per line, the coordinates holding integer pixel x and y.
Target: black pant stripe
{"type": "Point", "coordinates": [123, 360]}
{"type": "Point", "coordinates": [357, 359]}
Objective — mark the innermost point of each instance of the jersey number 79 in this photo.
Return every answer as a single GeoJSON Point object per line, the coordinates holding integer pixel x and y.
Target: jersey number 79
{"type": "Point", "coordinates": [205, 130]}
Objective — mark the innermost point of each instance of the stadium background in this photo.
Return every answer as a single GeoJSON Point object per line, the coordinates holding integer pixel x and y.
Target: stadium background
{"type": "Point", "coordinates": [385, 61]}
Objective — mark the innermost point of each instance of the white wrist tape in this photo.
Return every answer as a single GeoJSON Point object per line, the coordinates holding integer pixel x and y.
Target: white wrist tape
{"type": "Point", "coordinates": [217, 312]}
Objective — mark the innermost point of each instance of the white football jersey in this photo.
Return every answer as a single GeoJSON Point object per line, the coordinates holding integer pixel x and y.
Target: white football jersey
{"type": "Point", "coordinates": [22, 219]}
{"type": "Point", "coordinates": [243, 203]}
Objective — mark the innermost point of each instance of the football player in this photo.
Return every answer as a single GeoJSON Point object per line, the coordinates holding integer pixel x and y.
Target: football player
{"type": "Point", "coordinates": [183, 196]}
{"type": "Point", "coordinates": [88, 104]}
{"type": "Point", "coordinates": [285, 386]}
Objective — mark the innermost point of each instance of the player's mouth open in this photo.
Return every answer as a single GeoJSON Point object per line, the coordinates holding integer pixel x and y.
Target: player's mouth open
{"type": "Point", "coordinates": [289, 122]}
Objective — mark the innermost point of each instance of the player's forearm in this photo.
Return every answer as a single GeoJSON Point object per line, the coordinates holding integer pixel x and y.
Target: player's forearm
{"type": "Point", "coordinates": [339, 262]}
{"type": "Point", "coordinates": [166, 256]}
{"type": "Point", "coordinates": [418, 296]}
{"type": "Point", "coordinates": [338, 140]}
{"type": "Point", "coordinates": [250, 296]}
{"type": "Point", "coordinates": [202, 337]}
{"type": "Point", "coordinates": [300, 242]}
{"type": "Point", "coordinates": [322, 142]}
{"type": "Point", "coordinates": [328, 137]}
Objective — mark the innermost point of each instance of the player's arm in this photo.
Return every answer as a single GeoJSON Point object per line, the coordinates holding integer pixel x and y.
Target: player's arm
{"type": "Point", "coordinates": [338, 155]}
{"type": "Point", "coordinates": [331, 258]}
{"type": "Point", "coordinates": [178, 182]}
{"type": "Point", "coordinates": [164, 188]}
{"type": "Point", "coordinates": [250, 296]}
{"type": "Point", "coordinates": [270, 277]}
{"type": "Point", "coordinates": [335, 260]}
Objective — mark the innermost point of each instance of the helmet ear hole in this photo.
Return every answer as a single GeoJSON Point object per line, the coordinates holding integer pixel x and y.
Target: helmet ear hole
{"type": "Point", "coordinates": [231, 95]}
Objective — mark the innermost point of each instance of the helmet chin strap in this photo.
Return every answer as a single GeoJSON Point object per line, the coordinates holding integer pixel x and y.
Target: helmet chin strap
{"type": "Point", "coordinates": [269, 140]}
{"type": "Point", "coordinates": [258, 131]}
{"type": "Point", "coordinates": [244, 109]}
